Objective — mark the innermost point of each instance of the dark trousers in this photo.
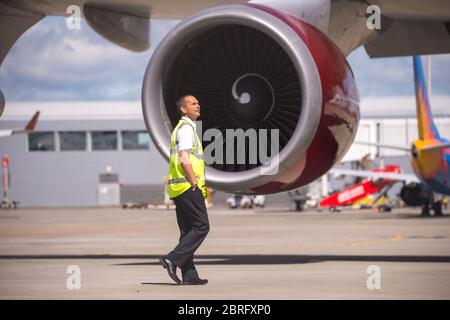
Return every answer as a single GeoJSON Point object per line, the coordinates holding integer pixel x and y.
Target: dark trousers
{"type": "Point", "coordinates": [192, 219]}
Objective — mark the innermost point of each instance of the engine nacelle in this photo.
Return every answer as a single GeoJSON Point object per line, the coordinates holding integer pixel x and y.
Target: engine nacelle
{"type": "Point", "coordinates": [416, 194]}
{"type": "Point", "coordinates": [259, 71]}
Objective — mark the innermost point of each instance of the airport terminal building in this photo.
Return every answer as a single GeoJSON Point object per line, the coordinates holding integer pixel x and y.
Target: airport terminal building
{"type": "Point", "coordinates": [63, 163]}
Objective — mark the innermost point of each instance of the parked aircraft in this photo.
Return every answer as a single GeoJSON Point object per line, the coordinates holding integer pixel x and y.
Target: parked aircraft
{"type": "Point", "coordinates": [430, 156]}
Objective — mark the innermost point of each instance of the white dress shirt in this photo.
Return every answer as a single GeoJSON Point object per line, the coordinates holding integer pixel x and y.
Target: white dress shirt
{"type": "Point", "coordinates": [185, 135]}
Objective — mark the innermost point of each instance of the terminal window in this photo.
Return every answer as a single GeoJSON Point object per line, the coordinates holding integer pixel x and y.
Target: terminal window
{"type": "Point", "coordinates": [135, 140]}
{"type": "Point", "coordinates": [104, 140]}
{"type": "Point", "coordinates": [72, 141]}
{"type": "Point", "coordinates": [41, 141]}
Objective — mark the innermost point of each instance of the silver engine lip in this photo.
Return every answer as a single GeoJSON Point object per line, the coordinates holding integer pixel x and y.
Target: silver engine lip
{"type": "Point", "coordinates": [2, 103]}
{"type": "Point", "coordinates": [158, 122]}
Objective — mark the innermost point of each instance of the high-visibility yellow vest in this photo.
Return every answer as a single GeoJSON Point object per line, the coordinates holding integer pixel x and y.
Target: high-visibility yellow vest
{"type": "Point", "coordinates": [178, 183]}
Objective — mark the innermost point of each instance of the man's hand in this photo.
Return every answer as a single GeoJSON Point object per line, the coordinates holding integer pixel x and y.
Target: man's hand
{"type": "Point", "coordinates": [194, 184]}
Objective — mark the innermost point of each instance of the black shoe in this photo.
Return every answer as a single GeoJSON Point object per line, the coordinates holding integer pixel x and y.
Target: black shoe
{"type": "Point", "coordinates": [195, 282]}
{"type": "Point", "coordinates": [171, 269]}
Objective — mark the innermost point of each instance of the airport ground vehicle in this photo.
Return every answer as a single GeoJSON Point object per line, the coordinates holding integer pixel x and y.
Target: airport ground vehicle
{"type": "Point", "coordinates": [366, 194]}
{"type": "Point", "coordinates": [245, 202]}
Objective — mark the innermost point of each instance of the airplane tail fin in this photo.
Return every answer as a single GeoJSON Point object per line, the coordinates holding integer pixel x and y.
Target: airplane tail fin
{"type": "Point", "coordinates": [426, 126]}
{"type": "Point", "coordinates": [32, 123]}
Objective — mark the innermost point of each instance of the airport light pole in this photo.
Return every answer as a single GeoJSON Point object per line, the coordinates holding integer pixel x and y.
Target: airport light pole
{"type": "Point", "coordinates": [5, 177]}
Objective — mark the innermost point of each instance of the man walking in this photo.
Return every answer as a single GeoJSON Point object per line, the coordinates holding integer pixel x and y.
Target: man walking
{"type": "Point", "coordinates": [187, 188]}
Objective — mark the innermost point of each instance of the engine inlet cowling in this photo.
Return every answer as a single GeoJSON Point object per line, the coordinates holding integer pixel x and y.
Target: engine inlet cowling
{"type": "Point", "coordinates": [238, 87]}
{"type": "Point", "coordinates": [253, 73]}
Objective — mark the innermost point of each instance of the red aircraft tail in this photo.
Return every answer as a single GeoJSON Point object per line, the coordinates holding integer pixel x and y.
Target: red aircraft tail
{"type": "Point", "coordinates": [32, 123]}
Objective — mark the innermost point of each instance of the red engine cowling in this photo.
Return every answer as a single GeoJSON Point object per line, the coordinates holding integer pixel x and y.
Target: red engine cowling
{"type": "Point", "coordinates": [256, 70]}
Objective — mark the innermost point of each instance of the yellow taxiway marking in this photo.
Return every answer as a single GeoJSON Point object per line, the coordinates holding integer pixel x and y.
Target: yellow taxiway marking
{"type": "Point", "coordinates": [377, 241]}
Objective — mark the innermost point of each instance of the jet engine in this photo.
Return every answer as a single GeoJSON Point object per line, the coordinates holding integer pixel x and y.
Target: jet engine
{"type": "Point", "coordinates": [415, 194]}
{"type": "Point", "coordinates": [279, 104]}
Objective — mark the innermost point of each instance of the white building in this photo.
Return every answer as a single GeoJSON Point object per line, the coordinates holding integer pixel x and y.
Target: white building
{"type": "Point", "coordinates": [392, 120]}
{"type": "Point", "coordinates": [61, 162]}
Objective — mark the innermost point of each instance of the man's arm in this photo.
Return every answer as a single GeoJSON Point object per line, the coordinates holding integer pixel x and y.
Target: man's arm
{"type": "Point", "coordinates": [187, 167]}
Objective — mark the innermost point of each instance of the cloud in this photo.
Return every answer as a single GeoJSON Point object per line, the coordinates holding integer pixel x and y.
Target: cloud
{"type": "Point", "coordinates": [395, 76]}
{"type": "Point", "coordinates": [440, 70]}
{"type": "Point", "coordinates": [51, 62]}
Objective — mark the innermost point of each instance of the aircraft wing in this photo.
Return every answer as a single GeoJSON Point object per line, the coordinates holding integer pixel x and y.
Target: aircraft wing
{"type": "Point", "coordinates": [437, 147]}
{"type": "Point", "coordinates": [384, 145]}
{"type": "Point", "coordinates": [29, 127]}
{"type": "Point", "coordinates": [376, 175]}
{"type": "Point", "coordinates": [411, 28]}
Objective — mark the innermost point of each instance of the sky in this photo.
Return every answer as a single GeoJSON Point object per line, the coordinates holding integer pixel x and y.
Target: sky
{"type": "Point", "coordinates": [51, 62]}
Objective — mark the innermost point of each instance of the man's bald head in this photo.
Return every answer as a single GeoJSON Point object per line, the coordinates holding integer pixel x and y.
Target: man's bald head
{"type": "Point", "coordinates": [189, 106]}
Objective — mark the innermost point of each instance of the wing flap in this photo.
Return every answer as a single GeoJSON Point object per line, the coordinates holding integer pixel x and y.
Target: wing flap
{"type": "Point", "coordinates": [126, 30]}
